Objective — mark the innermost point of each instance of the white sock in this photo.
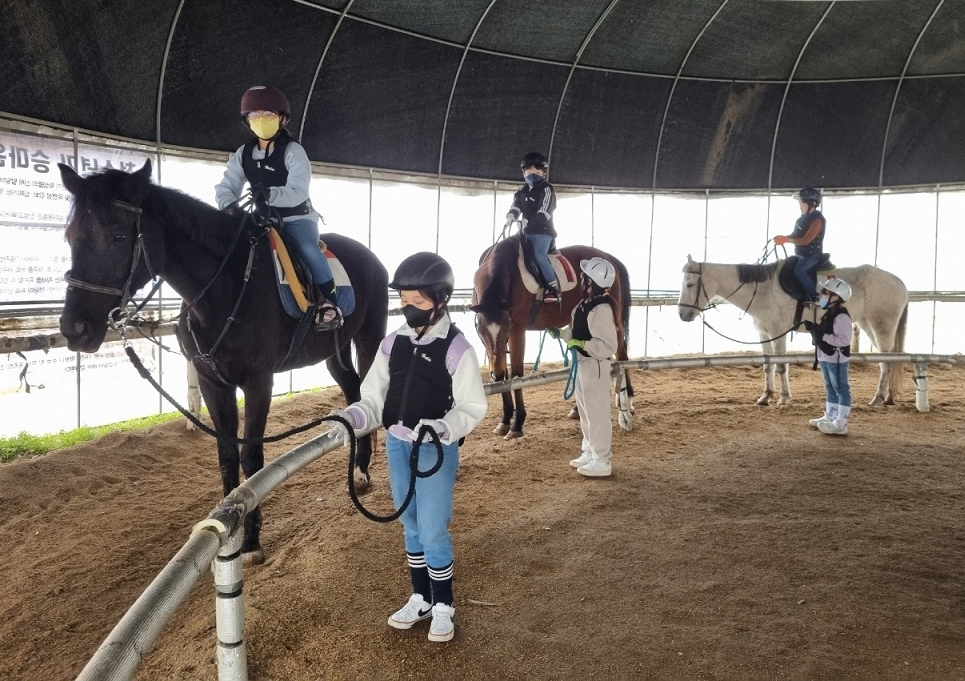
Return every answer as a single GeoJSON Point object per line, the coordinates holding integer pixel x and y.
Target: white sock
{"type": "Point", "coordinates": [830, 410]}
{"type": "Point", "coordinates": [842, 416]}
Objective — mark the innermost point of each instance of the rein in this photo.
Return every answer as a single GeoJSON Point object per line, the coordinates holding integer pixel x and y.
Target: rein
{"type": "Point", "coordinates": [711, 306]}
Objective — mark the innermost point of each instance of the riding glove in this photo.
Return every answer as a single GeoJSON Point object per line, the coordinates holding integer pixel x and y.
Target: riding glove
{"type": "Point", "coordinates": [553, 332]}
{"type": "Point", "coordinates": [438, 425]}
{"type": "Point", "coordinates": [814, 330]}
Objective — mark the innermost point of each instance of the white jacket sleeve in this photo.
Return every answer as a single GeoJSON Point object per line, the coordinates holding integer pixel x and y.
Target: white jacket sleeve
{"type": "Point", "coordinates": [232, 183]}
{"type": "Point", "coordinates": [603, 328]}
{"type": "Point", "coordinates": [374, 388]}
{"type": "Point", "coordinates": [295, 192]}
{"type": "Point", "coordinates": [469, 396]}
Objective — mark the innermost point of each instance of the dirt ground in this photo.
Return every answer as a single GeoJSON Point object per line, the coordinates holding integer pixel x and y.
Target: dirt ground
{"type": "Point", "coordinates": [732, 542]}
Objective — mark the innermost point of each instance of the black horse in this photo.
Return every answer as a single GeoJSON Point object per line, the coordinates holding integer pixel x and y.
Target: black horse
{"type": "Point", "coordinates": [123, 229]}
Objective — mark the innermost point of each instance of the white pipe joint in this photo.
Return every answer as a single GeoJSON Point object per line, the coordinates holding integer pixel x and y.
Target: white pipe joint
{"type": "Point", "coordinates": [921, 386]}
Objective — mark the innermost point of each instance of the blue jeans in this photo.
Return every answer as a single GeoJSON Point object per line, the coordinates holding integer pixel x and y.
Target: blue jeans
{"type": "Point", "coordinates": [836, 382]}
{"type": "Point", "coordinates": [303, 234]}
{"type": "Point", "coordinates": [426, 520]}
{"type": "Point", "coordinates": [540, 244]}
{"type": "Point", "coordinates": [801, 271]}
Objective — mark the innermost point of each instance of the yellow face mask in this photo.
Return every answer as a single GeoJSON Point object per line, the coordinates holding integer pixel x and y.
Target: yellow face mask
{"type": "Point", "coordinates": [265, 129]}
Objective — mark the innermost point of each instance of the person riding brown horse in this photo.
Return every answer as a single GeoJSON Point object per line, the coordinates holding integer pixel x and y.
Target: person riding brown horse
{"type": "Point", "coordinates": [504, 312]}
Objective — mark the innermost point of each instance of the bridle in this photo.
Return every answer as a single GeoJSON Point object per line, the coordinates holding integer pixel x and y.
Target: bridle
{"type": "Point", "coordinates": [118, 317]}
{"type": "Point", "coordinates": [696, 306]}
{"type": "Point", "coordinates": [700, 288]}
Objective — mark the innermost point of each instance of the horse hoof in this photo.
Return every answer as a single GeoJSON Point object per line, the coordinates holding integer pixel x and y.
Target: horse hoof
{"type": "Point", "coordinates": [513, 434]}
{"type": "Point", "coordinates": [501, 429]}
{"type": "Point", "coordinates": [256, 557]}
{"type": "Point", "coordinates": [361, 481]}
{"type": "Point", "coordinates": [574, 414]}
{"type": "Point", "coordinates": [763, 401]}
{"type": "Point", "coordinates": [878, 399]}
{"type": "Point", "coordinates": [784, 401]}
{"type": "Point", "coordinates": [626, 421]}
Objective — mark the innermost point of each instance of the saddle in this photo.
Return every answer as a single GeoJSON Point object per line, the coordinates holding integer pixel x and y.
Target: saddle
{"type": "Point", "coordinates": [790, 284]}
{"type": "Point", "coordinates": [532, 277]}
{"type": "Point", "coordinates": [296, 288]}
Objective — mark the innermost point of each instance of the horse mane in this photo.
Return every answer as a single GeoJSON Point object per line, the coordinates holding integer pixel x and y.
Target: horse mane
{"type": "Point", "coordinates": [750, 274]}
{"type": "Point", "coordinates": [190, 217]}
{"type": "Point", "coordinates": [496, 296]}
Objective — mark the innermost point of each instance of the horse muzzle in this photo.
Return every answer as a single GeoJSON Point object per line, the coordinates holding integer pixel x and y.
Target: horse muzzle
{"type": "Point", "coordinates": [82, 336]}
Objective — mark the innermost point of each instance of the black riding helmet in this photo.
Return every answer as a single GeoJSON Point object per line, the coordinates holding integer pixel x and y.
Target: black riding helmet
{"type": "Point", "coordinates": [809, 195]}
{"type": "Point", "coordinates": [534, 158]}
{"type": "Point", "coordinates": [425, 271]}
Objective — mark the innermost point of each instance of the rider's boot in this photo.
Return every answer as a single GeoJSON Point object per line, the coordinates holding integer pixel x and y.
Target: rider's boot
{"type": "Point", "coordinates": [552, 292]}
{"type": "Point", "coordinates": [327, 314]}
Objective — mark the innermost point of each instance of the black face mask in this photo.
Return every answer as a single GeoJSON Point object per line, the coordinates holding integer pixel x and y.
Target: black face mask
{"type": "Point", "coordinates": [416, 317]}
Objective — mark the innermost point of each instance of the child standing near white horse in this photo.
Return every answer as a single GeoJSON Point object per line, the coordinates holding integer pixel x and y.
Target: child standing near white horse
{"type": "Point", "coordinates": [593, 333]}
{"type": "Point", "coordinates": [832, 337]}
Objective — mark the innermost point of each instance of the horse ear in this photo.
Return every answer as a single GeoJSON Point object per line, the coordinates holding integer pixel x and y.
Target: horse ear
{"type": "Point", "coordinates": [138, 182]}
{"type": "Point", "coordinates": [475, 308]}
{"type": "Point", "coordinates": [72, 181]}
{"type": "Point", "coordinates": [145, 172]}
{"type": "Point", "coordinates": [690, 261]}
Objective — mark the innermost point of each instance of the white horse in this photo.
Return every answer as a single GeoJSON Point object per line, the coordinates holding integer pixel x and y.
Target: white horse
{"type": "Point", "coordinates": [879, 306]}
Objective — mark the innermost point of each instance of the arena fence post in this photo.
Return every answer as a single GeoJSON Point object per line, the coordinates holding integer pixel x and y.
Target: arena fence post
{"type": "Point", "coordinates": [921, 386]}
{"type": "Point", "coordinates": [230, 610]}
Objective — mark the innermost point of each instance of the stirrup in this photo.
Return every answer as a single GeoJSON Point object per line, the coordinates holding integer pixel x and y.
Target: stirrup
{"type": "Point", "coordinates": [551, 295]}
{"type": "Point", "coordinates": [327, 309]}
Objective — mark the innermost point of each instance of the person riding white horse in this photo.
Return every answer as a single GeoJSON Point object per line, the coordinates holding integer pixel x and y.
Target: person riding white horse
{"type": "Point", "coordinates": [808, 240]}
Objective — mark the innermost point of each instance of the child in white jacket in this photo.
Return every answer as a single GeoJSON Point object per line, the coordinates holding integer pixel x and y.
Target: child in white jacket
{"type": "Point", "coordinates": [593, 333]}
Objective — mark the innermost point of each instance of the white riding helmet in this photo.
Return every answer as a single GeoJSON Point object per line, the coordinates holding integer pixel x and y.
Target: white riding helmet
{"type": "Point", "coordinates": [599, 271]}
{"type": "Point", "coordinates": [839, 287]}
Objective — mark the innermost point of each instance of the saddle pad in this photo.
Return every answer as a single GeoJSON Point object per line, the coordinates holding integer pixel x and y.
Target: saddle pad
{"type": "Point", "coordinates": [564, 272]}
{"type": "Point", "coordinates": [292, 290]}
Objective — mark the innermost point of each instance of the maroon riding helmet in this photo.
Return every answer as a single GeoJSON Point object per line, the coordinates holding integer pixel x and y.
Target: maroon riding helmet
{"type": "Point", "coordinates": [265, 98]}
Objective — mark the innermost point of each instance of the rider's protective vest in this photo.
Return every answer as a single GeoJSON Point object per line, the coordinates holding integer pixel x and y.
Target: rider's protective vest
{"type": "Point", "coordinates": [826, 325]}
{"type": "Point", "coordinates": [801, 227]}
{"type": "Point", "coordinates": [581, 319]}
{"type": "Point", "coordinates": [420, 385]}
{"type": "Point", "coordinates": [271, 172]}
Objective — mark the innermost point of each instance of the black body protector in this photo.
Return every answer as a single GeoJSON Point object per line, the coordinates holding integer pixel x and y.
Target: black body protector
{"type": "Point", "coordinates": [826, 326]}
{"type": "Point", "coordinates": [271, 172]}
{"type": "Point", "coordinates": [801, 227]}
{"type": "Point", "coordinates": [420, 385]}
{"type": "Point", "coordinates": [581, 317]}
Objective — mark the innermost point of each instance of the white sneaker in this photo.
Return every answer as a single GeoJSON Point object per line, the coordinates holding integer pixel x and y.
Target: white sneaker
{"type": "Point", "coordinates": [595, 469]}
{"type": "Point", "coordinates": [442, 628]}
{"type": "Point", "coordinates": [415, 610]}
{"type": "Point", "coordinates": [581, 460]}
{"type": "Point", "coordinates": [832, 428]}
{"type": "Point", "coordinates": [821, 419]}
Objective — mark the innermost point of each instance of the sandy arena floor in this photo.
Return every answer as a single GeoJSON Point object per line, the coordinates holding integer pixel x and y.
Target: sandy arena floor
{"type": "Point", "coordinates": [732, 542]}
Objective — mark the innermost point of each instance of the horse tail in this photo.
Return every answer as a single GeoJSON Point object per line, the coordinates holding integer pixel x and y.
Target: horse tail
{"type": "Point", "coordinates": [625, 301]}
{"type": "Point", "coordinates": [898, 370]}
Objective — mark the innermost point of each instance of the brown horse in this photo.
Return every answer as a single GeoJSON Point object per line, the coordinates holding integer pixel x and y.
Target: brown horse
{"type": "Point", "coordinates": [504, 312]}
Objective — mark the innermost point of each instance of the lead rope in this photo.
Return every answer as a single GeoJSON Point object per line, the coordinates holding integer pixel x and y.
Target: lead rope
{"type": "Point", "coordinates": [414, 472]}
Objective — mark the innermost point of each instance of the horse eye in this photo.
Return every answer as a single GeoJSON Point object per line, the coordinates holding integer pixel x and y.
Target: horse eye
{"type": "Point", "coordinates": [690, 284]}
{"type": "Point", "coordinates": [119, 237]}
